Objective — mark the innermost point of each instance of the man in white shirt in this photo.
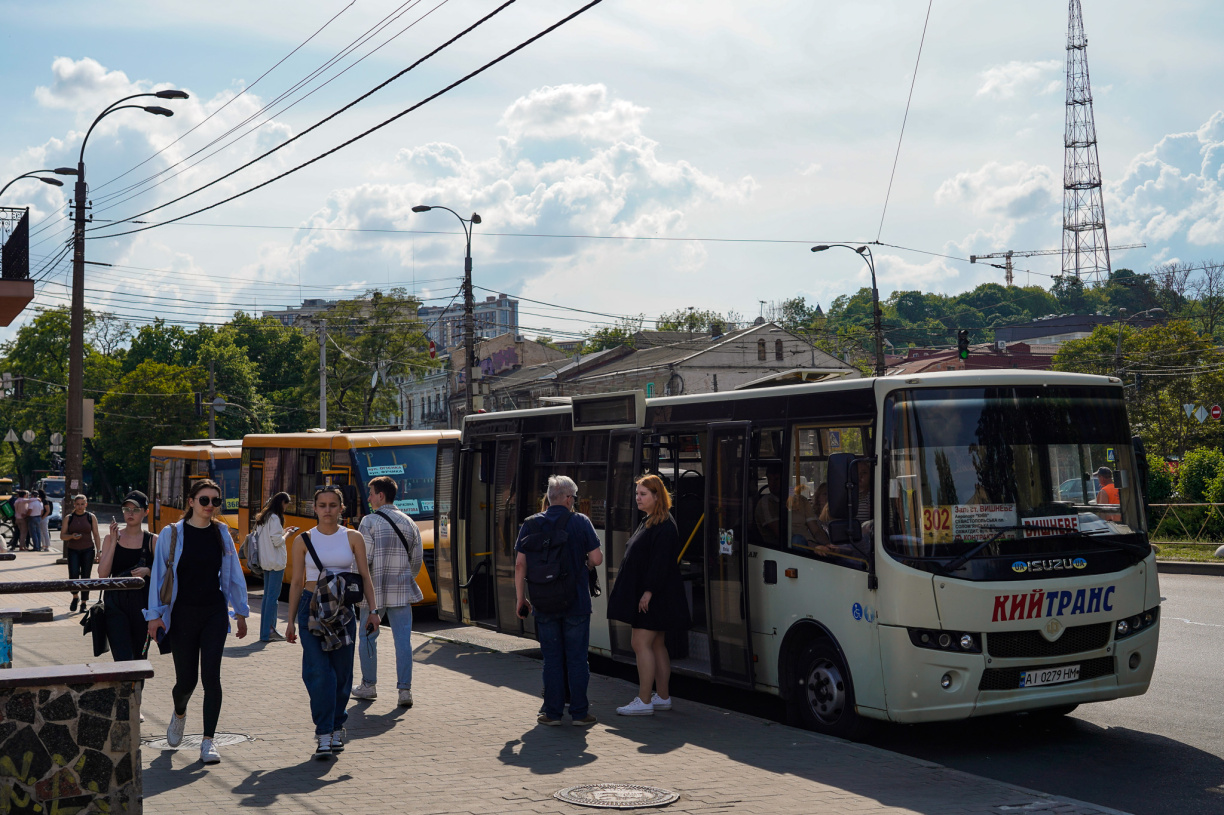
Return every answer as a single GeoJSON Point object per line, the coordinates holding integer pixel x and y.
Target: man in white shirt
{"type": "Point", "coordinates": [393, 546]}
{"type": "Point", "coordinates": [34, 510]}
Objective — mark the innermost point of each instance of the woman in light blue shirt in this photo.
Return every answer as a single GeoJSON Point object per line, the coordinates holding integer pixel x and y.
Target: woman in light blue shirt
{"type": "Point", "coordinates": [196, 567]}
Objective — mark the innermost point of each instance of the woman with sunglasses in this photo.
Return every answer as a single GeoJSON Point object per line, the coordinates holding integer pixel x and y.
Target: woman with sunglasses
{"type": "Point", "coordinates": [327, 644]}
{"type": "Point", "coordinates": [196, 567]}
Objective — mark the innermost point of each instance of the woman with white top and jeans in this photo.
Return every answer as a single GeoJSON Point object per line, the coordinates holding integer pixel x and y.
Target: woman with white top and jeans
{"type": "Point", "coordinates": [327, 672]}
{"type": "Point", "coordinates": [206, 580]}
{"type": "Point", "coordinates": [270, 526]}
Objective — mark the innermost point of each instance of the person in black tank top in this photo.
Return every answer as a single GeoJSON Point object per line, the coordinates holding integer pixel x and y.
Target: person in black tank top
{"type": "Point", "coordinates": [127, 552]}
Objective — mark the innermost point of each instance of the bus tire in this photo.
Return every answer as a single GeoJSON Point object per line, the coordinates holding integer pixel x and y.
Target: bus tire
{"type": "Point", "coordinates": [823, 699]}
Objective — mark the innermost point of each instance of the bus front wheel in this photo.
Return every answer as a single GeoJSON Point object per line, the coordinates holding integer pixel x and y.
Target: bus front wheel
{"type": "Point", "coordinates": [824, 697]}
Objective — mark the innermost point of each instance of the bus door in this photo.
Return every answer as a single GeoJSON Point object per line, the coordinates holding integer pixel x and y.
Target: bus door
{"type": "Point", "coordinates": [474, 567]}
{"type": "Point", "coordinates": [445, 482]}
{"type": "Point", "coordinates": [255, 500]}
{"type": "Point", "coordinates": [624, 465]}
{"type": "Point", "coordinates": [506, 521]}
{"type": "Point", "coordinates": [726, 552]}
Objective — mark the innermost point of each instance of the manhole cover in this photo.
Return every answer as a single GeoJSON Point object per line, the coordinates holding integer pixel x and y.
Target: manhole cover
{"type": "Point", "coordinates": [616, 796]}
{"type": "Point", "coordinates": [193, 741]}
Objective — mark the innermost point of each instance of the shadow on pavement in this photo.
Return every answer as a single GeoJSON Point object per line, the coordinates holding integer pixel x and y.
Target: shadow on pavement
{"type": "Point", "coordinates": [548, 750]}
{"type": "Point", "coordinates": [262, 788]}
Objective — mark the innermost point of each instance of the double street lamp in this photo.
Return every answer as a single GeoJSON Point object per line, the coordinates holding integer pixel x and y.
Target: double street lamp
{"type": "Point", "coordinates": [1122, 320]}
{"type": "Point", "coordinates": [74, 459]}
{"type": "Point", "coordinates": [469, 325]}
{"type": "Point", "coordinates": [54, 182]}
{"type": "Point", "coordinates": [865, 253]}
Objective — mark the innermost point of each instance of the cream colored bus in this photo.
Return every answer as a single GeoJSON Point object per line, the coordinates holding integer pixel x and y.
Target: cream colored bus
{"type": "Point", "coordinates": [888, 548]}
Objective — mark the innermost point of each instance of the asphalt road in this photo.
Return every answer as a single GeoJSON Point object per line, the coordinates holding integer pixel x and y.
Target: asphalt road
{"type": "Point", "coordinates": [1157, 754]}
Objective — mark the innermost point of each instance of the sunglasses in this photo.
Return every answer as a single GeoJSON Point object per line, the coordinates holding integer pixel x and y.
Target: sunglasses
{"type": "Point", "coordinates": [205, 500]}
{"type": "Point", "coordinates": [132, 509]}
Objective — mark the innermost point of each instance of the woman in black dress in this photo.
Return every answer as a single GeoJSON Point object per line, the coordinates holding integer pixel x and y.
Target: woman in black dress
{"type": "Point", "coordinates": [127, 552]}
{"type": "Point", "coordinates": [649, 596]}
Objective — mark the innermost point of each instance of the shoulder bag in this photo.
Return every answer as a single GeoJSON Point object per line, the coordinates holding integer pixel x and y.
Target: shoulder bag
{"type": "Point", "coordinates": [395, 528]}
{"type": "Point", "coordinates": [353, 591]}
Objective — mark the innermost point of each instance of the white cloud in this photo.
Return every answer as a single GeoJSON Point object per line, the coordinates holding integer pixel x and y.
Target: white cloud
{"type": "Point", "coordinates": [811, 169]}
{"type": "Point", "coordinates": [1015, 191]}
{"type": "Point", "coordinates": [1007, 80]}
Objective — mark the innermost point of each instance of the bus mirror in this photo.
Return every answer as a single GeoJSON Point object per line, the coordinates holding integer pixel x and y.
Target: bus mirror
{"type": "Point", "coordinates": [843, 487]}
{"type": "Point", "coordinates": [1141, 467]}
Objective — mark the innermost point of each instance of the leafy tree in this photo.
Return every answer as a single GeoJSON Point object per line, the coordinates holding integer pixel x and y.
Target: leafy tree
{"type": "Point", "coordinates": [693, 320]}
{"type": "Point", "coordinates": [613, 336]}
{"type": "Point", "coordinates": [1198, 469]}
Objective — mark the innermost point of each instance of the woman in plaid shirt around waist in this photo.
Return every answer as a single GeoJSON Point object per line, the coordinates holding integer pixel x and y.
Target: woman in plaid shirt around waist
{"type": "Point", "coordinates": [393, 545]}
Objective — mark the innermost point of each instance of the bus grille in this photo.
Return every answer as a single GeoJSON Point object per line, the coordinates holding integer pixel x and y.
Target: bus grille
{"type": "Point", "coordinates": [1009, 678]}
{"type": "Point", "coordinates": [1029, 644]}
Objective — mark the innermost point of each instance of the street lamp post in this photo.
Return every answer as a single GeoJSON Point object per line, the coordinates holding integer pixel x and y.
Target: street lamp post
{"type": "Point", "coordinates": [54, 182]}
{"type": "Point", "coordinates": [1122, 320]}
{"type": "Point", "coordinates": [469, 305]}
{"type": "Point", "coordinates": [74, 459]}
{"type": "Point", "coordinates": [865, 253]}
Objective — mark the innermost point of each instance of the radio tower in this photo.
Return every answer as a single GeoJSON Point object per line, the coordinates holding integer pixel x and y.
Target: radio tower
{"type": "Point", "coordinates": [1085, 247]}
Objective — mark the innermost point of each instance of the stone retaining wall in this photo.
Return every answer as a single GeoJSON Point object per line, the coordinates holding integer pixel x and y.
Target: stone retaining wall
{"type": "Point", "coordinates": [70, 739]}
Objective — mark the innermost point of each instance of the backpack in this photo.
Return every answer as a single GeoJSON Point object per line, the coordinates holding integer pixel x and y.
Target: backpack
{"type": "Point", "coordinates": [550, 586]}
{"type": "Point", "coordinates": [249, 551]}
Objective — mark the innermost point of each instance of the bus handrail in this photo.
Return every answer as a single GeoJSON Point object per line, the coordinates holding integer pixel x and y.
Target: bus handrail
{"type": "Point", "coordinates": [692, 535]}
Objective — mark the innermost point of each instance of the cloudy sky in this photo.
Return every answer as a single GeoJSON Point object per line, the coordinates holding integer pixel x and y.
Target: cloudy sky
{"type": "Point", "coordinates": [644, 157]}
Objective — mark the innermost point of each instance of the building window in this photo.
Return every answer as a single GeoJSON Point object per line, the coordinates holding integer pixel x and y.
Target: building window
{"type": "Point", "coordinates": [778, 350]}
{"type": "Point", "coordinates": [760, 350]}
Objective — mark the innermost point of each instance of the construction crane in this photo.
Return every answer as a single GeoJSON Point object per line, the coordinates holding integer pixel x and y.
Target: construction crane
{"type": "Point", "coordinates": [1007, 256]}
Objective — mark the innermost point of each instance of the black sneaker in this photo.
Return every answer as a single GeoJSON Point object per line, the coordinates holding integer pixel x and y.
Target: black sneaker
{"type": "Point", "coordinates": [73, 607]}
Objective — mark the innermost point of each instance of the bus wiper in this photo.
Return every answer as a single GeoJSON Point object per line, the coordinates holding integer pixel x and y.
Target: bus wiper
{"type": "Point", "coordinates": [1137, 548]}
{"type": "Point", "coordinates": [965, 558]}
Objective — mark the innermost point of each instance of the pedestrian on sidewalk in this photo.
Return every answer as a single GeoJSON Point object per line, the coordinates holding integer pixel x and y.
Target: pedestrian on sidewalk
{"type": "Point", "coordinates": [393, 545]}
{"type": "Point", "coordinates": [82, 543]}
{"type": "Point", "coordinates": [20, 502]}
{"type": "Point", "coordinates": [323, 561]}
{"type": "Point", "coordinates": [562, 605]}
{"type": "Point", "coordinates": [45, 521]}
{"type": "Point", "coordinates": [34, 511]}
{"type": "Point", "coordinates": [127, 551]}
{"type": "Point", "coordinates": [649, 595]}
{"type": "Point", "coordinates": [273, 555]}
{"type": "Point", "coordinates": [196, 580]}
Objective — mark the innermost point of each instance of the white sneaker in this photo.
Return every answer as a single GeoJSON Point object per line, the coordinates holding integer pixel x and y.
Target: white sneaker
{"type": "Point", "coordinates": [337, 741]}
{"type": "Point", "coordinates": [174, 732]}
{"type": "Point", "coordinates": [366, 690]}
{"type": "Point", "coordinates": [208, 753]}
{"type": "Point", "coordinates": [659, 703]}
{"type": "Point", "coordinates": [405, 697]}
{"type": "Point", "coordinates": [636, 708]}
{"type": "Point", "coordinates": [324, 750]}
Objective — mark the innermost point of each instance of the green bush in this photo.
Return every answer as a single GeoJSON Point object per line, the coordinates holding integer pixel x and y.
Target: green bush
{"type": "Point", "coordinates": [1198, 468]}
{"type": "Point", "coordinates": [1160, 480]}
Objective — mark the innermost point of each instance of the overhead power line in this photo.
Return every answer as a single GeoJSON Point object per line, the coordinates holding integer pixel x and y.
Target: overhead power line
{"type": "Point", "coordinates": [905, 118]}
{"type": "Point", "coordinates": [383, 124]}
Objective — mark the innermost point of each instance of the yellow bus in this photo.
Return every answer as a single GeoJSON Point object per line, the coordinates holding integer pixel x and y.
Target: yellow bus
{"type": "Point", "coordinates": [297, 463]}
{"type": "Point", "coordinates": [173, 467]}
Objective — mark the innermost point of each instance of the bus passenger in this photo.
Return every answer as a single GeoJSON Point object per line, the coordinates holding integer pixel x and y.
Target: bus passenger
{"type": "Point", "coordinates": [768, 511]}
{"type": "Point", "coordinates": [196, 576]}
{"type": "Point", "coordinates": [327, 648]}
{"type": "Point", "coordinates": [393, 546]}
{"type": "Point", "coordinates": [270, 538]}
{"type": "Point", "coordinates": [79, 532]}
{"type": "Point", "coordinates": [565, 636]}
{"type": "Point", "coordinates": [649, 596]}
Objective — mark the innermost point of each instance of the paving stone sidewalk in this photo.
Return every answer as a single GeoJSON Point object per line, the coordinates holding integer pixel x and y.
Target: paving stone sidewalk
{"type": "Point", "coordinates": [471, 744]}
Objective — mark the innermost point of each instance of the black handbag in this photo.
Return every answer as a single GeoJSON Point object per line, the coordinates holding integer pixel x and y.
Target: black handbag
{"type": "Point", "coordinates": [94, 622]}
{"type": "Point", "coordinates": [353, 591]}
{"type": "Point", "coordinates": [593, 579]}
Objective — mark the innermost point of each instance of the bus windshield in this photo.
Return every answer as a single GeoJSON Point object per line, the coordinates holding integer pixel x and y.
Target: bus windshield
{"type": "Point", "coordinates": [225, 473]}
{"type": "Point", "coordinates": [1031, 470]}
{"type": "Point", "coordinates": [412, 467]}
{"type": "Point", "coordinates": [54, 487]}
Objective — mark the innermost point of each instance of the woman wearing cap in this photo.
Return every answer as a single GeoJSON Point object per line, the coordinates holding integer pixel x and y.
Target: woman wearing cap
{"type": "Point", "coordinates": [81, 543]}
{"type": "Point", "coordinates": [127, 552]}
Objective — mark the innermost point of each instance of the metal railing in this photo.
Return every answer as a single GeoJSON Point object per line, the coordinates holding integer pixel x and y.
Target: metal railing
{"type": "Point", "coordinates": [40, 586]}
{"type": "Point", "coordinates": [1159, 513]}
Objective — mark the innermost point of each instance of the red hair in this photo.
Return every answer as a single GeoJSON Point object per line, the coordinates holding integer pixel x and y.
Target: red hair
{"type": "Point", "coordinates": [662, 500]}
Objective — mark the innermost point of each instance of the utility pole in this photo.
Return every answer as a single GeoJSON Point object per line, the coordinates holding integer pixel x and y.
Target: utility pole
{"type": "Point", "coordinates": [75, 460]}
{"type": "Point", "coordinates": [212, 394]}
{"type": "Point", "coordinates": [323, 374]}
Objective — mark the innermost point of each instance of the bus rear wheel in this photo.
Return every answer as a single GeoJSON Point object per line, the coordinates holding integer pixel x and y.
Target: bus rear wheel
{"type": "Point", "coordinates": [824, 697]}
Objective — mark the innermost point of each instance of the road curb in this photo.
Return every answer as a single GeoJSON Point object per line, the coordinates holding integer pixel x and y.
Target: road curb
{"type": "Point", "coordinates": [1189, 567]}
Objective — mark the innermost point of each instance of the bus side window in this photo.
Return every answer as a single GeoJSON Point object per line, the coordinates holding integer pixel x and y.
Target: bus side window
{"type": "Point", "coordinates": [767, 489]}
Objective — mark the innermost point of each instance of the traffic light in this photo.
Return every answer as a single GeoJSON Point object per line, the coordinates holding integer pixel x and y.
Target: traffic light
{"type": "Point", "coordinates": [962, 343]}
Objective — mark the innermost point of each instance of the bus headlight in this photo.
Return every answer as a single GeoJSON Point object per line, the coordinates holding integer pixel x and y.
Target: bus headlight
{"type": "Point", "coordinates": [1133, 625]}
{"type": "Point", "coordinates": [956, 641]}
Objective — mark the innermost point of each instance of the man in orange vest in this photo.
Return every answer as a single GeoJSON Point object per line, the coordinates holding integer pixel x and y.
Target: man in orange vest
{"type": "Point", "coordinates": [1108, 494]}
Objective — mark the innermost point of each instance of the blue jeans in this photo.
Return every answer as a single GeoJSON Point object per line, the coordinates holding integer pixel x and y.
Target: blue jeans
{"type": "Point", "coordinates": [271, 599]}
{"type": "Point", "coordinates": [328, 674]}
{"type": "Point", "coordinates": [564, 640]}
{"type": "Point", "coordinates": [35, 526]}
{"type": "Point", "coordinates": [400, 618]}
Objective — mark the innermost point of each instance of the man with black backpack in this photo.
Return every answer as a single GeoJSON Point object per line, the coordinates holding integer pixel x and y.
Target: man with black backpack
{"type": "Point", "coordinates": [555, 550]}
{"type": "Point", "coordinates": [393, 545]}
